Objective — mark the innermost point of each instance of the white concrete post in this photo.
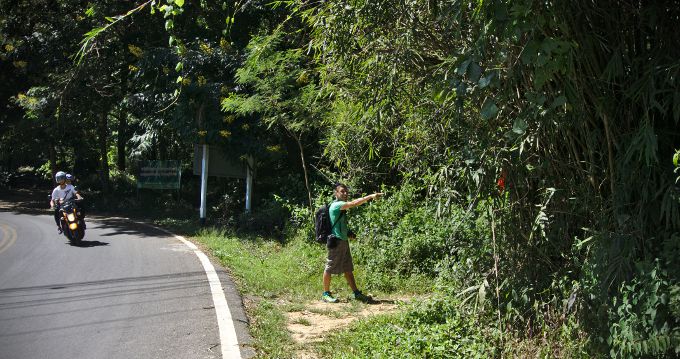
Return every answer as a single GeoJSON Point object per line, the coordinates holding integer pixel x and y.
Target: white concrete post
{"type": "Point", "coordinates": [204, 183]}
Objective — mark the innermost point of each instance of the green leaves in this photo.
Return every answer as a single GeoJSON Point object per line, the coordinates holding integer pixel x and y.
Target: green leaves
{"type": "Point", "coordinates": [519, 126]}
{"type": "Point", "coordinates": [489, 109]}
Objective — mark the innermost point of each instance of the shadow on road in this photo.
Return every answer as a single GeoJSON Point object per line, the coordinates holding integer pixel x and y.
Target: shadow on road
{"type": "Point", "coordinates": [25, 201]}
{"type": "Point", "coordinates": [123, 226]}
{"type": "Point", "coordinates": [35, 202]}
{"type": "Point", "coordinates": [87, 244]}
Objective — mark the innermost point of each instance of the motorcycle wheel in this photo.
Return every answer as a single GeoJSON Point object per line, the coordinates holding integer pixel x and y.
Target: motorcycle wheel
{"type": "Point", "coordinates": [66, 231]}
{"type": "Point", "coordinates": [73, 237]}
{"type": "Point", "coordinates": [79, 233]}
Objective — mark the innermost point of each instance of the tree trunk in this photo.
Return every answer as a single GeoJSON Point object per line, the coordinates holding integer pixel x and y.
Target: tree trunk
{"type": "Point", "coordinates": [102, 134]}
{"type": "Point", "coordinates": [122, 139]}
{"type": "Point", "coordinates": [122, 119]}
{"type": "Point", "coordinates": [53, 160]}
{"type": "Point", "coordinates": [298, 140]}
{"type": "Point", "coordinates": [162, 146]}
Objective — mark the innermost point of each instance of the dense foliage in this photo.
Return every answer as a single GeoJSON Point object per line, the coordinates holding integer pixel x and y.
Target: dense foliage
{"type": "Point", "coordinates": [526, 147]}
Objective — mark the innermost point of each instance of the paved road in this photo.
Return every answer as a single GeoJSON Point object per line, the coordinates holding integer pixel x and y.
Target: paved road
{"type": "Point", "coordinates": [130, 291]}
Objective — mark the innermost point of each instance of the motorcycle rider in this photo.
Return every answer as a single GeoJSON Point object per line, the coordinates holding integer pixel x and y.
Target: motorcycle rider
{"type": "Point", "coordinates": [60, 194]}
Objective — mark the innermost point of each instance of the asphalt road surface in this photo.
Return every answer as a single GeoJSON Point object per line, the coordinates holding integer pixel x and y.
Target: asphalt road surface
{"type": "Point", "coordinates": [129, 291]}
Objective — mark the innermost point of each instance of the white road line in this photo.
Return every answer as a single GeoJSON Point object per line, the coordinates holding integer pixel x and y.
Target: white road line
{"type": "Point", "coordinates": [228, 339]}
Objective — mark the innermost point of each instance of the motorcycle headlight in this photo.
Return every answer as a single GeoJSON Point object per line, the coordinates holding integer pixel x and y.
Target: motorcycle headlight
{"type": "Point", "coordinates": [73, 226]}
{"type": "Point", "coordinates": [71, 217]}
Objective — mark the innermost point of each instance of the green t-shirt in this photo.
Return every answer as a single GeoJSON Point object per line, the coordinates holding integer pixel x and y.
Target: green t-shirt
{"type": "Point", "coordinates": [340, 229]}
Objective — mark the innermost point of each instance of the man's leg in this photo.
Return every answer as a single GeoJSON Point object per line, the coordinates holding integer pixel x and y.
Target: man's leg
{"type": "Point", "coordinates": [82, 215]}
{"type": "Point", "coordinates": [327, 296]}
{"type": "Point", "coordinates": [326, 281]}
{"type": "Point", "coordinates": [349, 276]}
{"type": "Point", "coordinates": [57, 219]}
{"type": "Point", "coordinates": [356, 293]}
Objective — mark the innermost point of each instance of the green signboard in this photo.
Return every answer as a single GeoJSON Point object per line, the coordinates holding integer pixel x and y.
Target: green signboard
{"type": "Point", "coordinates": [220, 164]}
{"type": "Point", "coordinates": [159, 175]}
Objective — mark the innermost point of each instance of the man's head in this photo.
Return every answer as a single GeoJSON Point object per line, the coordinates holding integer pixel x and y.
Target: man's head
{"type": "Point", "coordinates": [341, 192]}
{"type": "Point", "coordinates": [69, 178]}
{"type": "Point", "coordinates": [60, 177]}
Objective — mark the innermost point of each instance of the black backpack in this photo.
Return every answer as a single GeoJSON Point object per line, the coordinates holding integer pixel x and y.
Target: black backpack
{"type": "Point", "coordinates": [322, 223]}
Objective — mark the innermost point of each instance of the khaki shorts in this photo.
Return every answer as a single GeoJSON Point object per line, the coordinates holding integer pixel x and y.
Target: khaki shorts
{"type": "Point", "coordinates": [339, 259]}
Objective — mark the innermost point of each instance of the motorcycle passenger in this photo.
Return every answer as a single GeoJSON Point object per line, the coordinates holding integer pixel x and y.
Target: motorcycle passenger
{"type": "Point", "coordinates": [61, 193]}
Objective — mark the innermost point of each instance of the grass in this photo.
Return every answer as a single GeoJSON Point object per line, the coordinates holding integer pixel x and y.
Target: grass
{"type": "Point", "coordinates": [283, 278]}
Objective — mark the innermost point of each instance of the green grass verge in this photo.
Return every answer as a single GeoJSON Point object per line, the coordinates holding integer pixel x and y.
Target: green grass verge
{"type": "Point", "coordinates": [281, 278]}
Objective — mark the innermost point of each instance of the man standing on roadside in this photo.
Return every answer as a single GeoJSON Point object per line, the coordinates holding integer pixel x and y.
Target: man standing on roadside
{"type": "Point", "coordinates": [339, 258]}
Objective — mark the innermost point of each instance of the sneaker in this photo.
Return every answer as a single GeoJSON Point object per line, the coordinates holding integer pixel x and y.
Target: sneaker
{"type": "Point", "coordinates": [361, 297]}
{"type": "Point", "coordinates": [59, 230]}
{"type": "Point", "coordinates": [329, 298]}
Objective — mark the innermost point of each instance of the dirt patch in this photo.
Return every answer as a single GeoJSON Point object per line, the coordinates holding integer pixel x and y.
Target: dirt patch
{"type": "Point", "coordinates": [318, 319]}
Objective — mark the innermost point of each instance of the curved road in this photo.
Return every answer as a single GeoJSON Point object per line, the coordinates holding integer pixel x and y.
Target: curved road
{"type": "Point", "coordinates": [130, 291]}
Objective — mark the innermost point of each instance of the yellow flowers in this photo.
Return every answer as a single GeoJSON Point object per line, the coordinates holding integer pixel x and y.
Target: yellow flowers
{"type": "Point", "coordinates": [25, 100]}
{"type": "Point", "coordinates": [201, 80]}
{"type": "Point", "coordinates": [133, 68]}
{"type": "Point", "coordinates": [135, 50]}
{"type": "Point", "coordinates": [274, 148]}
{"type": "Point", "coordinates": [186, 81]}
{"type": "Point", "coordinates": [225, 133]}
{"type": "Point", "coordinates": [20, 64]}
{"type": "Point", "coordinates": [229, 119]}
{"type": "Point", "coordinates": [206, 48]}
{"type": "Point", "coordinates": [224, 44]}
{"type": "Point", "coordinates": [202, 133]}
{"type": "Point", "coordinates": [9, 47]}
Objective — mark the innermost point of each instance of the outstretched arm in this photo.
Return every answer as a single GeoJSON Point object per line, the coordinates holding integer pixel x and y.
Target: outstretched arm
{"type": "Point", "coordinates": [360, 201]}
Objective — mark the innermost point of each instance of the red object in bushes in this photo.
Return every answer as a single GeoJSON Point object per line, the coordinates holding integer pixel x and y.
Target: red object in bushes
{"type": "Point", "coordinates": [501, 181]}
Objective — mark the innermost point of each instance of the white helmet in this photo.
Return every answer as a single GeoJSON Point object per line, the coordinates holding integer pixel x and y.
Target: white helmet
{"type": "Point", "coordinates": [60, 176]}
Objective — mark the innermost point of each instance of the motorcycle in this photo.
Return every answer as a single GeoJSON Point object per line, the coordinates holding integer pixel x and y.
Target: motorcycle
{"type": "Point", "coordinates": [71, 219]}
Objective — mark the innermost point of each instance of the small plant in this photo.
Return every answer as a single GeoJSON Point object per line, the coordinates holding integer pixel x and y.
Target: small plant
{"type": "Point", "coordinates": [641, 320]}
{"type": "Point", "coordinates": [302, 321]}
